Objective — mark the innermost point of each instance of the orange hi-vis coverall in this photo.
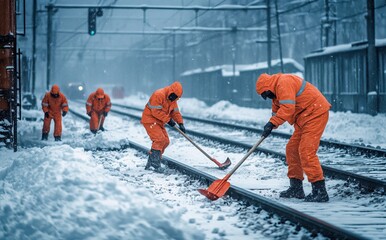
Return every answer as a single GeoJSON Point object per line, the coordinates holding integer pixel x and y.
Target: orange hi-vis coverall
{"type": "Point", "coordinates": [300, 104]}
{"type": "Point", "coordinates": [158, 111]}
{"type": "Point", "coordinates": [54, 107]}
{"type": "Point", "coordinates": [95, 107]}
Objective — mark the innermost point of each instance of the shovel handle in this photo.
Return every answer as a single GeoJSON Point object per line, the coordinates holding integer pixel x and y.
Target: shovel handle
{"type": "Point", "coordinates": [243, 159]}
{"type": "Point", "coordinates": [100, 121]}
{"type": "Point", "coordinates": [190, 140]}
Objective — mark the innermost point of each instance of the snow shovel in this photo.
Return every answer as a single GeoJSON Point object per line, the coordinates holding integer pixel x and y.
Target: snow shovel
{"type": "Point", "coordinates": [219, 187]}
{"type": "Point", "coordinates": [222, 166]}
{"type": "Point", "coordinates": [100, 121]}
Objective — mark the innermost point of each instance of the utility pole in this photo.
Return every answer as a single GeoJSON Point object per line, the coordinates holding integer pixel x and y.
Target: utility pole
{"type": "Point", "coordinates": [372, 94]}
{"type": "Point", "coordinates": [34, 46]}
{"type": "Point", "coordinates": [269, 35]}
{"type": "Point", "coordinates": [279, 37]}
{"type": "Point", "coordinates": [234, 32]}
{"type": "Point", "coordinates": [174, 57]}
{"type": "Point", "coordinates": [326, 23]}
{"type": "Point", "coordinates": [50, 9]}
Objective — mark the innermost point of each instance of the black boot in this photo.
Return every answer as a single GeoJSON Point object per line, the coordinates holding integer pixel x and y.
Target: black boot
{"type": "Point", "coordinates": [154, 160]}
{"type": "Point", "coordinates": [295, 190]}
{"type": "Point", "coordinates": [94, 131]}
{"type": "Point", "coordinates": [319, 192]}
{"type": "Point", "coordinates": [58, 138]}
{"type": "Point", "coordinates": [102, 129]}
{"type": "Point", "coordinates": [44, 136]}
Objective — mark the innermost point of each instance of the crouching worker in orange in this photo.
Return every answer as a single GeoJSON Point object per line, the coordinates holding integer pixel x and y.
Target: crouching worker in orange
{"type": "Point", "coordinates": [97, 106]}
{"type": "Point", "coordinates": [54, 105]}
{"type": "Point", "coordinates": [162, 108]}
{"type": "Point", "coordinates": [300, 104]}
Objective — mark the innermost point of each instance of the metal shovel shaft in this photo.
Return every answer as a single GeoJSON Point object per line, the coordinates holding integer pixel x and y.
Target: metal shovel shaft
{"type": "Point", "coordinates": [243, 159]}
{"type": "Point", "coordinates": [190, 140]}
{"type": "Point", "coordinates": [100, 121]}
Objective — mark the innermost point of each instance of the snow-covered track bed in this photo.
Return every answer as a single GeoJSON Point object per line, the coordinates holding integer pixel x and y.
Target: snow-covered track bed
{"type": "Point", "coordinates": [283, 213]}
{"type": "Point", "coordinates": [349, 208]}
{"type": "Point", "coordinates": [365, 182]}
{"type": "Point", "coordinates": [349, 148]}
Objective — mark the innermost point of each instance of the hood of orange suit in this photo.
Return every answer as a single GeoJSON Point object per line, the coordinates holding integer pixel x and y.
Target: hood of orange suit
{"type": "Point", "coordinates": [100, 93]}
{"type": "Point", "coordinates": [266, 82]}
{"type": "Point", "coordinates": [55, 89]}
{"type": "Point", "coordinates": [176, 87]}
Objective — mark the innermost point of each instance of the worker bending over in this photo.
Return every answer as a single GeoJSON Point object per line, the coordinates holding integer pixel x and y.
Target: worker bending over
{"type": "Point", "coordinates": [161, 108]}
{"type": "Point", "coordinates": [300, 104]}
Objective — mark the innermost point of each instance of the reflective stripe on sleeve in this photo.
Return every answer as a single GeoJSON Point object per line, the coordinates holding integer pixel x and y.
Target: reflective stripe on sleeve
{"type": "Point", "coordinates": [301, 88]}
{"type": "Point", "coordinates": [287, 102]}
{"type": "Point", "coordinates": [151, 106]}
{"type": "Point", "coordinates": [88, 104]}
{"type": "Point", "coordinates": [176, 109]}
{"type": "Point", "coordinates": [64, 105]}
{"type": "Point", "coordinates": [273, 114]}
{"type": "Point", "coordinates": [45, 104]}
{"type": "Point", "coordinates": [109, 103]}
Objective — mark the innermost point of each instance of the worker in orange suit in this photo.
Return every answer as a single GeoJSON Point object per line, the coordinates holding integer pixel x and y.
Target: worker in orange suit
{"type": "Point", "coordinates": [300, 104]}
{"type": "Point", "coordinates": [54, 105]}
{"type": "Point", "coordinates": [161, 108]}
{"type": "Point", "coordinates": [97, 106]}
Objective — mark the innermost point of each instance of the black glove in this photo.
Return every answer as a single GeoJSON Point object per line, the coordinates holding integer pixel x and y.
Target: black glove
{"type": "Point", "coordinates": [46, 115]}
{"type": "Point", "coordinates": [64, 113]}
{"type": "Point", "coordinates": [267, 129]}
{"type": "Point", "coordinates": [105, 114]}
{"type": "Point", "coordinates": [89, 113]}
{"type": "Point", "coordinates": [182, 128]}
{"type": "Point", "coordinates": [172, 123]}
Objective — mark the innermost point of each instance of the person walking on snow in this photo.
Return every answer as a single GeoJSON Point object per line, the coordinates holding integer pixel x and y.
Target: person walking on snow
{"type": "Point", "coordinates": [161, 108]}
{"type": "Point", "coordinates": [54, 105]}
{"type": "Point", "coordinates": [97, 106]}
{"type": "Point", "coordinates": [300, 104]}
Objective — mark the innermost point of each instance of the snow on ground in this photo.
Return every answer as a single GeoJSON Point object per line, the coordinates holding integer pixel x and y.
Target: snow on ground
{"type": "Point", "coordinates": [342, 126]}
{"type": "Point", "coordinates": [59, 192]}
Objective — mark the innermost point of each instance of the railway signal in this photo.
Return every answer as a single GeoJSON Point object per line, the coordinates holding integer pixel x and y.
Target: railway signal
{"type": "Point", "coordinates": [93, 13]}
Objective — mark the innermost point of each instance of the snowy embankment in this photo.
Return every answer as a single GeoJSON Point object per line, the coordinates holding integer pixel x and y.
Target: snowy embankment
{"type": "Point", "coordinates": [342, 126]}
{"type": "Point", "coordinates": [59, 192]}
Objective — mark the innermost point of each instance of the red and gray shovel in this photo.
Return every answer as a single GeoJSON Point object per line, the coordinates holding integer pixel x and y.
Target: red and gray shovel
{"type": "Point", "coordinates": [223, 165]}
{"type": "Point", "coordinates": [219, 187]}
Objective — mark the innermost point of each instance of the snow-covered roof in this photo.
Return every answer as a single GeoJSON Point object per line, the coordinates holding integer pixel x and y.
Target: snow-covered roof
{"type": "Point", "coordinates": [227, 70]}
{"type": "Point", "coordinates": [346, 47]}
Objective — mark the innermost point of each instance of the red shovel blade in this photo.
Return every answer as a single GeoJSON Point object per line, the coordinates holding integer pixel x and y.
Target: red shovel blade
{"type": "Point", "coordinates": [216, 190]}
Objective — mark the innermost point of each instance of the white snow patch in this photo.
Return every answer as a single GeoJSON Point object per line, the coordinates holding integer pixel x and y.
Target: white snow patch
{"type": "Point", "coordinates": [59, 193]}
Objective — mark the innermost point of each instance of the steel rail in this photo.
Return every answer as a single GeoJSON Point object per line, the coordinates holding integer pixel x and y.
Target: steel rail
{"type": "Point", "coordinates": [368, 151]}
{"type": "Point", "coordinates": [314, 225]}
{"type": "Point", "coordinates": [166, 7]}
{"type": "Point", "coordinates": [367, 183]}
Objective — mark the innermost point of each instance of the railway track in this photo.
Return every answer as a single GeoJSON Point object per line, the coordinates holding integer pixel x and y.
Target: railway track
{"type": "Point", "coordinates": [357, 149]}
{"type": "Point", "coordinates": [364, 183]}
{"type": "Point", "coordinates": [285, 213]}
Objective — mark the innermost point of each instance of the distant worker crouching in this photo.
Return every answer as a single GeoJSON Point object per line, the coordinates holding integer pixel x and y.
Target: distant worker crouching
{"type": "Point", "coordinates": [300, 104]}
{"type": "Point", "coordinates": [97, 106]}
{"type": "Point", "coordinates": [162, 108]}
{"type": "Point", "coordinates": [54, 105]}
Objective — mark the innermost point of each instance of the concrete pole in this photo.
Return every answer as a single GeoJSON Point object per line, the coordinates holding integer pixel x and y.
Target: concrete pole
{"type": "Point", "coordinates": [269, 36]}
{"type": "Point", "coordinates": [49, 44]}
{"type": "Point", "coordinates": [372, 94]}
